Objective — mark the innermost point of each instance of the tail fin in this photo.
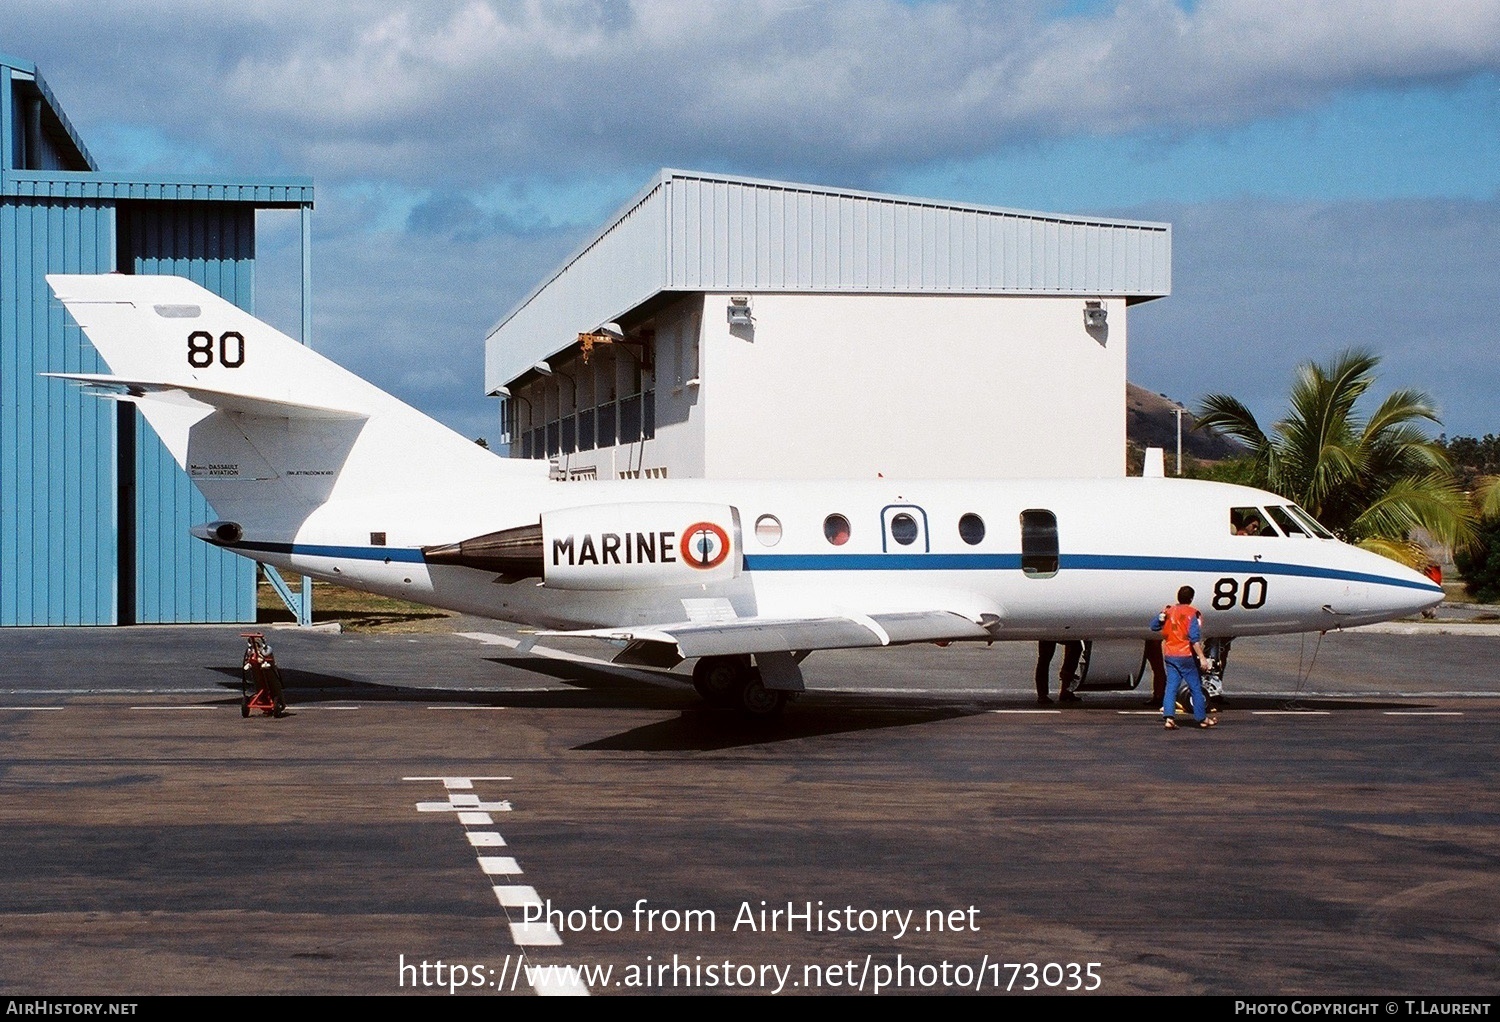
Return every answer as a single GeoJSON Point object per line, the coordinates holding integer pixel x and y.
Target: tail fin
{"type": "Point", "coordinates": [266, 428]}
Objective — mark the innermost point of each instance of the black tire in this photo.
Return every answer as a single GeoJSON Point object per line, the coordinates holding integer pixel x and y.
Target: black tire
{"type": "Point", "coordinates": [718, 679]}
{"type": "Point", "coordinates": [760, 702]}
{"type": "Point", "coordinates": [244, 707]}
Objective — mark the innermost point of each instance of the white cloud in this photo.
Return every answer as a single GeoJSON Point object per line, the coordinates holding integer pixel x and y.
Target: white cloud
{"type": "Point", "coordinates": [444, 139]}
{"type": "Point", "coordinates": [1260, 287]}
{"type": "Point", "coordinates": [469, 93]}
{"type": "Point", "coordinates": [406, 310]}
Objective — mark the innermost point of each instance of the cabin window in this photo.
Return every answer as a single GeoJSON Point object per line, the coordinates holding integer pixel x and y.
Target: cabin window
{"type": "Point", "coordinates": [1248, 521]}
{"type": "Point", "coordinates": [1311, 523]}
{"type": "Point", "coordinates": [1039, 552]}
{"type": "Point", "coordinates": [904, 529]}
{"type": "Point", "coordinates": [1286, 521]}
{"type": "Point", "coordinates": [971, 529]}
{"type": "Point", "coordinates": [836, 528]}
{"type": "Point", "coordinates": [768, 530]}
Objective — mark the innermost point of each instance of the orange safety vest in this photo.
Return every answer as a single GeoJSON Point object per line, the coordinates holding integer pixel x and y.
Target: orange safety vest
{"type": "Point", "coordinates": [1176, 630]}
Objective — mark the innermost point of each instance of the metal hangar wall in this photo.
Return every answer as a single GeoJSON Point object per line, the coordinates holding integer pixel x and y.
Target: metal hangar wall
{"type": "Point", "coordinates": [94, 513]}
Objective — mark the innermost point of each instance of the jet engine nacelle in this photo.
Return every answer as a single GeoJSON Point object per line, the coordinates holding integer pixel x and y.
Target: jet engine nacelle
{"type": "Point", "coordinates": [636, 546]}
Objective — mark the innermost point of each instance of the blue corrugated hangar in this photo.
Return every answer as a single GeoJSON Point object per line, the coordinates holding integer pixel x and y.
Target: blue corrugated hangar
{"type": "Point", "coordinates": [94, 513]}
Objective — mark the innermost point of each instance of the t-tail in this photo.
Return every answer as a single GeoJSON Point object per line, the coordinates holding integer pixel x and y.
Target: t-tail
{"type": "Point", "coordinates": [266, 428]}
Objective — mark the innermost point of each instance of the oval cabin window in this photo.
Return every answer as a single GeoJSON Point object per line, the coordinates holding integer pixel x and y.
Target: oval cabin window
{"type": "Point", "coordinates": [836, 528]}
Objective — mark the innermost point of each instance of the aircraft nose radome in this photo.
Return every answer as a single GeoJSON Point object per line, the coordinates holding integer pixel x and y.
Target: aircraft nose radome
{"type": "Point", "coordinates": [1392, 590]}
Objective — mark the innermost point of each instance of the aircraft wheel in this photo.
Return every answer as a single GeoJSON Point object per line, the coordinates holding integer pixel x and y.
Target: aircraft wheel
{"type": "Point", "coordinates": [759, 701]}
{"type": "Point", "coordinates": [718, 678]}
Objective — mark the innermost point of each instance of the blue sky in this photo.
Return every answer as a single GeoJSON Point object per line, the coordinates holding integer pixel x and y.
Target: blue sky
{"type": "Point", "coordinates": [1331, 171]}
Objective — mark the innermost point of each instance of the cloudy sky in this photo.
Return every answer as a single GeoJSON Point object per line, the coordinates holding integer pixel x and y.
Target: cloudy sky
{"type": "Point", "coordinates": [1331, 169]}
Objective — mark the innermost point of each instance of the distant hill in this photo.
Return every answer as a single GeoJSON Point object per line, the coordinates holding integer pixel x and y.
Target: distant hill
{"type": "Point", "coordinates": [1150, 422]}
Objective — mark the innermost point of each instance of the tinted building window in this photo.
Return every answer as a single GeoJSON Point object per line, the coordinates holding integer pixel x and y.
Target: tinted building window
{"type": "Point", "coordinates": [630, 419]}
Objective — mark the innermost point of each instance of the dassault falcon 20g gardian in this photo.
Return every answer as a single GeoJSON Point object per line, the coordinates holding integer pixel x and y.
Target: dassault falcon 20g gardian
{"type": "Point", "coordinates": [310, 468]}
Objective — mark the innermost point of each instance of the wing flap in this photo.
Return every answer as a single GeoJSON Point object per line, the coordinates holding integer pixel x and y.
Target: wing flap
{"type": "Point", "coordinates": [785, 635]}
{"type": "Point", "coordinates": [932, 626]}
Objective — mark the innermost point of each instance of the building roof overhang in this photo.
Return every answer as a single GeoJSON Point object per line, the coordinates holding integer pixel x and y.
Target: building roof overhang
{"type": "Point", "coordinates": [689, 232]}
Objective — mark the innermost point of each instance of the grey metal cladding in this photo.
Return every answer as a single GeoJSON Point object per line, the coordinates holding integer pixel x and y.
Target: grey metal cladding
{"type": "Point", "coordinates": [689, 231]}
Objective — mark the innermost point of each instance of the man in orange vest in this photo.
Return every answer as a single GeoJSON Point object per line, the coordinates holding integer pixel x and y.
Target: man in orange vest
{"type": "Point", "coordinates": [1182, 649]}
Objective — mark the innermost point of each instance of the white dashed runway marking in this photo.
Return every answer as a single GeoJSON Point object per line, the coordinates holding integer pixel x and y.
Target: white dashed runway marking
{"type": "Point", "coordinates": [534, 935]}
{"type": "Point", "coordinates": [514, 899]}
{"type": "Point", "coordinates": [517, 895]}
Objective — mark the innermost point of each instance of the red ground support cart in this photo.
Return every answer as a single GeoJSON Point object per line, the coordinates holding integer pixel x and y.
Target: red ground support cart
{"type": "Point", "coordinates": [260, 680]}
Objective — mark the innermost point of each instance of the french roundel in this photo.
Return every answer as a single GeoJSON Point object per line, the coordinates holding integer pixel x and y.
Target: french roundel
{"type": "Point", "coordinates": [704, 545]}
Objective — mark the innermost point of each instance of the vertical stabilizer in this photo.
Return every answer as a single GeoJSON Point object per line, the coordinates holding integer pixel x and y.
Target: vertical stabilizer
{"type": "Point", "coordinates": [266, 428]}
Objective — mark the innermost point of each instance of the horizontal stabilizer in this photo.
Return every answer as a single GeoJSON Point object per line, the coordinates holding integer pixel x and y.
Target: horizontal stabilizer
{"type": "Point", "coordinates": [223, 400]}
{"type": "Point", "coordinates": [268, 430]}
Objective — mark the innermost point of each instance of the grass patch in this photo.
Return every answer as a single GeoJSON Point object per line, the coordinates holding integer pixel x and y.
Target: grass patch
{"type": "Point", "coordinates": [1454, 591]}
{"type": "Point", "coordinates": [353, 610]}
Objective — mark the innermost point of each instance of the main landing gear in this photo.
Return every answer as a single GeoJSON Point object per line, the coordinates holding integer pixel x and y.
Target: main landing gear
{"type": "Point", "coordinates": [735, 682]}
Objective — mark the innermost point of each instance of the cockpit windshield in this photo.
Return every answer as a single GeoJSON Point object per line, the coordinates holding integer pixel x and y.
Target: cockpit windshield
{"type": "Point", "coordinates": [1249, 521]}
{"type": "Point", "coordinates": [1311, 523]}
{"type": "Point", "coordinates": [1288, 524]}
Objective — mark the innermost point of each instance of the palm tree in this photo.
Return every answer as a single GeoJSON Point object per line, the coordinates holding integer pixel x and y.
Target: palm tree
{"type": "Point", "coordinates": [1373, 481]}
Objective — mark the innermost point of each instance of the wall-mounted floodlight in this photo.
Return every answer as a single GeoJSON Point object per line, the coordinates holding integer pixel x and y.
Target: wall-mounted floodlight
{"type": "Point", "coordinates": [739, 311]}
{"type": "Point", "coordinates": [499, 392]}
{"type": "Point", "coordinates": [611, 330]}
{"type": "Point", "coordinates": [1094, 315]}
{"type": "Point", "coordinates": [542, 369]}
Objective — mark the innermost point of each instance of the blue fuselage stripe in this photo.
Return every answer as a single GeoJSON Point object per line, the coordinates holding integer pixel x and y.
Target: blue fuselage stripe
{"type": "Point", "coordinates": [927, 562]}
{"type": "Point", "coordinates": [1068, 562]}
{"type": "Point", "coordinates": [350, 553]}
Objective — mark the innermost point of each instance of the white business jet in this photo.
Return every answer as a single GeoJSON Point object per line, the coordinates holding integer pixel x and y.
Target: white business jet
{"type": "Point", "coordinates": [311, 468]}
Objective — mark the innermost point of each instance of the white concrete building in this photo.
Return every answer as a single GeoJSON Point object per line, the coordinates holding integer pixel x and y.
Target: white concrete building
{"type": "Point", "coordinates": [725, 327]}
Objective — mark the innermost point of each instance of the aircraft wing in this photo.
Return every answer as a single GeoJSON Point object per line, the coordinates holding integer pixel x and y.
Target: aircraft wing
{"type": "Point", "coordinates": [668, 644]}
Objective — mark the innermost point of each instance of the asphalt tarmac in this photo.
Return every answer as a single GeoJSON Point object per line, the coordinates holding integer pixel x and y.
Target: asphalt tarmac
{"type": "Point", "coordinates": [923, 827]}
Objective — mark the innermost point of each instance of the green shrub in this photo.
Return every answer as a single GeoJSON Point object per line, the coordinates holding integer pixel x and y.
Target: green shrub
{"type": "Point", "coordinates": [1480, 564]}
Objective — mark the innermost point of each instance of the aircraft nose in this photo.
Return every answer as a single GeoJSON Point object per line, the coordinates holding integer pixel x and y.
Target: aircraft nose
{"type": "Point", "coordinates": [1386, 590]}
